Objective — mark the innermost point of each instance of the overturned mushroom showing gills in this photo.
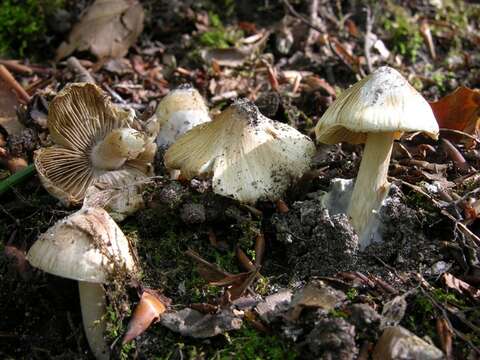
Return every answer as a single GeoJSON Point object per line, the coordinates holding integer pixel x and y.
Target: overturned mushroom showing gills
{"type": "Point", "coordinates": [89, 247]}
{"type": "Point", "coordinates": [375, 111]}
{"type": "Point", "coordinates": [250, 156]}
{"type": "Point", "coordinates": [178, 112]}
{"type": "Point", "coordinates": [94, 143]}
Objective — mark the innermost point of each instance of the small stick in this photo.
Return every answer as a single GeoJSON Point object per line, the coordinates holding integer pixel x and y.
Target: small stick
{"type": "Point", "coordinates": [11, 82]}
{"type": "Point", "coordinates": [368, 34]}
{"type": "Point", "coordinates": [15, 66]}
{"type": "Point", "coordinates": [81, 73]}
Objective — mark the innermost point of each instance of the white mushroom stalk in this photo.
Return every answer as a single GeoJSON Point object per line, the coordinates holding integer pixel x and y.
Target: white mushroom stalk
{"type": "Point", "coordinates": [371, 185]}
{"type": "Point", "coordinates": [89, 247]}
{"type": "Point", "coordinates": [375, 111]}
{"type": "Point", "coordinates": [117, 147]}
{"type": "Point", "coordinates": [249, 156]}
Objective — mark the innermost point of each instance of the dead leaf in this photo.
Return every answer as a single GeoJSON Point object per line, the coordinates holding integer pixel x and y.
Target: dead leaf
{"type": "Point", "coordinates": [460, 286]}
{"type": "Point", "coordinates": [274, 305]}
{"type": "Point", "coordinates": [8, 110]}
{"type": "Point", "coordinates": [107, 29]}
{"type": "Point", "coordinates": [149, 309]}
{"type": "Point", "coordinates": [459, 110]}
{"type": "Point", "coordinates": [190, 322]}
{"type": "Point", "coordinates": [315, 296]}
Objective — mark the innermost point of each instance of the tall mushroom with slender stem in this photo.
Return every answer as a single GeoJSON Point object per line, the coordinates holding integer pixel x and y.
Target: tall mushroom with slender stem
{"type": "Point", "coordinates": [249, 156]}
{"type": "Point", "coordinates": [375, 111]}
{"type": "Point", "coordinates": [90, 248]}
{"type": "Point", "coordinates": [95, 143]}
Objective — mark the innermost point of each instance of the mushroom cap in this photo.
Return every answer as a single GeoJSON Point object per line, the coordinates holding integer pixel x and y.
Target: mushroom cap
{"type": "Point", "coordinates": [250, 156]}
{"type": "Point", "coordinates": [85, 246]}
{"type": "Point", "coordinates": [80, 117]}
{"type": "Point", "coordinates": [178, 112]}
{"type": "Point", "coordinates": [381, 102]}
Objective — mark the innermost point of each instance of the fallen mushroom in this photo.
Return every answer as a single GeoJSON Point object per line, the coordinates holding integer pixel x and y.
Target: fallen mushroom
{"type": "Point", "coordinates": [94, 143]}
{"type": "Point", "coordinates": [178, 112]}
{"type": "Point", "coordinates": [89, 247]}
{"type": "Point", "coordinates": [250, 156]}
{"type": "Point", "coordinates": [375, 111]}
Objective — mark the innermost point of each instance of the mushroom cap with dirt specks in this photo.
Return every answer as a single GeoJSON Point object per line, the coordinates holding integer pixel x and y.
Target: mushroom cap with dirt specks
{"type": "Point", "coordinates": [178, 112]}
{"type": "Point", "coordinates": [383, 101]}
{"type": "Point", "coordinates": [250, 156]}
{"type": "Point", "coordinates": [80, 117]}
{"type": "Point", "coordinates": [85, 246]}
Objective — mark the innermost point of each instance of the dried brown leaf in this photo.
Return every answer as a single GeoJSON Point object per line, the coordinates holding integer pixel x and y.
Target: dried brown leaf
{"type": "Point", "coordinates": [107, 29]}
{"type": "Point", "coordinates": [8, 110]}
{"type": "Point", "coordinates": [149, 309]}
{"type": "Point", "coordinates": [460, 286]}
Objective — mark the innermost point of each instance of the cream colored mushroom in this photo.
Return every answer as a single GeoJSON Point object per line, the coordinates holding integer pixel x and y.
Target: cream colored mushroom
{"type": "Point", "coordinates": [90, 248]}
{"type": "Point", "coordinates": [249, 156]}
{"type": "Point", "coordinates": [375, 111]}
{"type": "Point", "coordinates": [94, 143]}
{"type": "Point", "coordinates": [178, 112]}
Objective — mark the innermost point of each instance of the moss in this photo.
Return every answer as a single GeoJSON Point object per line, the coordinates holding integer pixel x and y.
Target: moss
{"type": "Point", "coordinates": [23, 25]}
{"type": "Point", "coordinates": [404, 33]}
{"type": "Point", "coordinates": [219, 36]}
{"type": "Point", "coordinates": [248, 344]}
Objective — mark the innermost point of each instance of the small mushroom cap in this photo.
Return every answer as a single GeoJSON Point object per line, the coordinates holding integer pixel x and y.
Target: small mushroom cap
{"type": "Point", "coordinates": [86, 246]}
{"type": "Point", "coordinates": [382, 102]}
{"type": "Point", "coordinates": [250, 156]}
{"type": "Point", "coordinates": [178, 112]}
{"type": "Point", "coordinates": [79, 118]}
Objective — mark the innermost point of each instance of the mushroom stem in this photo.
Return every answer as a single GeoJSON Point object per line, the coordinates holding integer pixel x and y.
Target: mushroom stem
{"type": "Point", "coordinates": [93, 304]}
{"type": "Point", "coordinates": [117, 147]}
{"type": "Point", "coordinates": [371, 185]}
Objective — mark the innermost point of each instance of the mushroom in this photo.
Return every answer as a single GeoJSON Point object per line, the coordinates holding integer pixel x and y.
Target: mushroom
{"type": "Point", "coordinates": [178, 112]}
{"type": "Point", "coordinates": [89, 247]}
{"type": "Point", "coordinates": [250, 156]}
{"type": "Point", "coordinates": [375, 111]}
{"type": "Point", "coordinates": [94, 143]}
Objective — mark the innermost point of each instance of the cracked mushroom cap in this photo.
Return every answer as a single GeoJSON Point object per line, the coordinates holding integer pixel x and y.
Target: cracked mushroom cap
{"type": "Point", "coordinates": [178, 112]}
{"type": "Point", "coordinates": [250, 156]}
{"type": "Point", "coordinates": [94, 143]}
{"type": "Point", "coordinates": [382, 102]}
{"type": "Point", "coordinates": [85, 246]}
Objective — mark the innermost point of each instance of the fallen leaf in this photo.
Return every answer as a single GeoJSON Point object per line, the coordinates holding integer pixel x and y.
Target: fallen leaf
{"type": "Point", "coordinates": [274, 305]}
{"type": "Point", "coordinates": [460, 286]}
{"type": "Point", "coordinates": [398, 343]}
{"type": "Point", "coordinates": [8, 110]}
{"type": "Point", "coordinates": [107, 29]}
{"type": "Point", "coordinates": [459, 110]}
{"type": "Point", "coordinates": [190, 322]}
{"type": "Point", "coordinates": [149, 309]}
{"type": "Point", "coordinates": [314, 296]}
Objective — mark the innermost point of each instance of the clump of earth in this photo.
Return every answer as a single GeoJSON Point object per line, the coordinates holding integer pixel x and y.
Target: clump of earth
{"type": "Point", "coordinates": [320, 242]}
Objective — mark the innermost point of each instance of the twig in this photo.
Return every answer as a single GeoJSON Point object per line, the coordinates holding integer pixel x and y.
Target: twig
{"type": "Point", "coordinates": [10, 81]}
{"type": "Point", "coordinates": [301, 17]}
{"type": "Point", "coordinates": [368, 36]}
{"type": "Point", "coordinates": [447, 319]}
{"type": "Point", "coordinates": [15, 66]}
{"type": "Point", "coordinates": [458, 224]}
{"type": "Point", "coordinates": [81, 73]}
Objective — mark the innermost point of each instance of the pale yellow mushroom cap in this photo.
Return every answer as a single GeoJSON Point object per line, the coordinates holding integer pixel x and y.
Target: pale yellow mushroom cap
{"type": "Point", "coordinates": [85, 246]}
{"type": "Point", "coordinates": [383, 101]}
{"type": "Point", "coordinates": [250, 156]}
{"type": "Point", "coordinates": [178, 112]}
